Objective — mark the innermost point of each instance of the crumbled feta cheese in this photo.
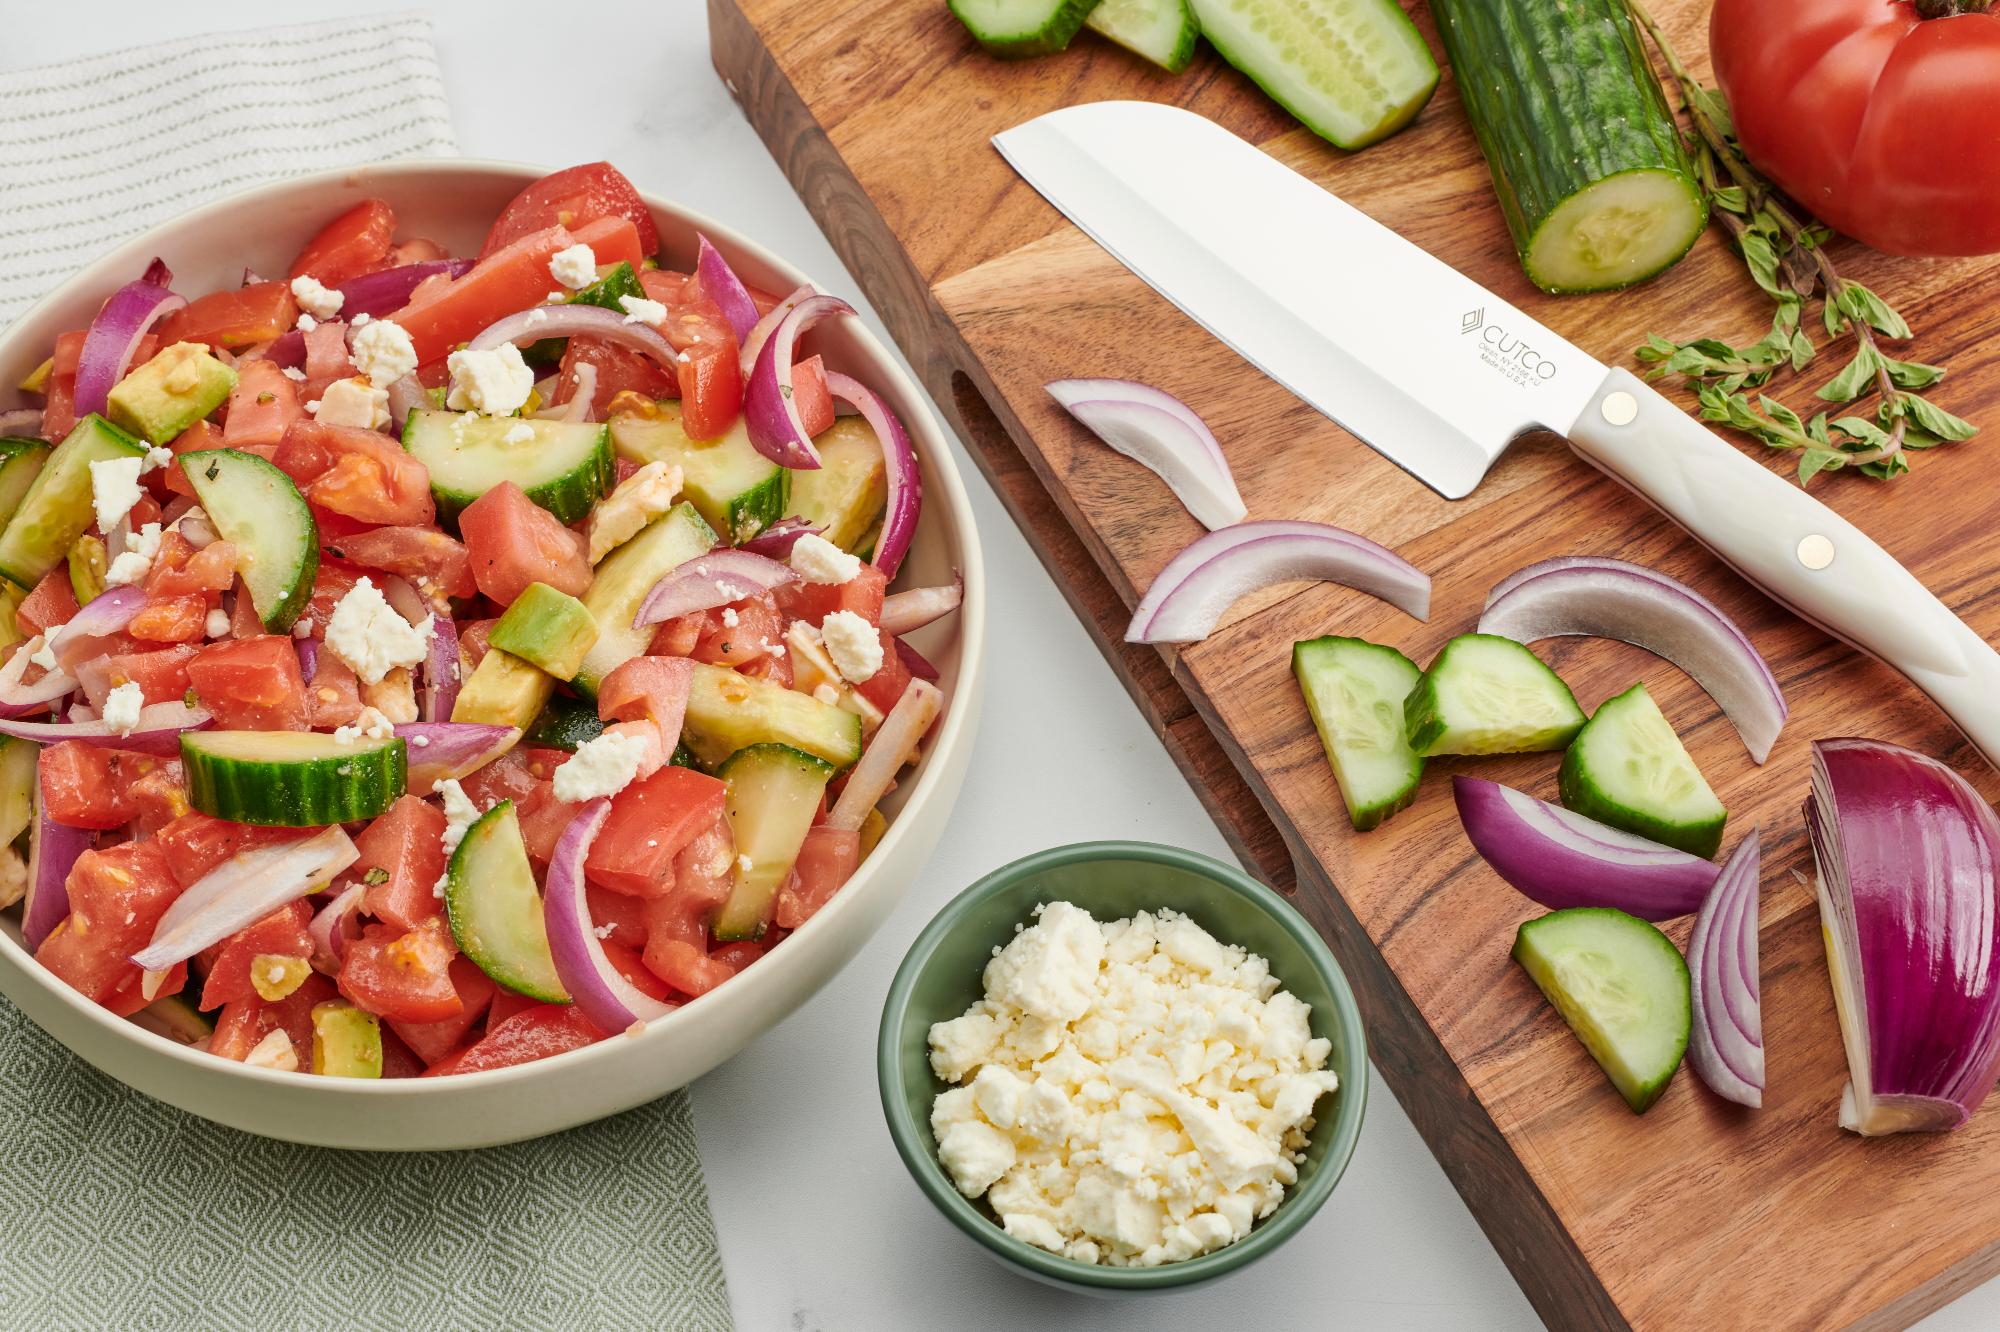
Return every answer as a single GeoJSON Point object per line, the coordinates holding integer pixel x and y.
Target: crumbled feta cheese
{"type": "Point", "coordinates": [352, 402]}
{"type": "Point", "coordinates": [745, 864]}
{"type": "Point", "coordinates": [318, 301]}
{"type": "Point", "coordinates": [538, 315]}
{"type": "Point", "coordinates": [518, 433]}
{"type": "Point", "coordinates": [121, 708]}
{"type": "Point", "coordinates": [359, 319]}
{"type": "Point", "coordinates": [854, 645]}
{"type": "Point", "coordinates": [42, 653]}
{"type": "Point", "coordinates": [556, 297]}
{"type": "Point", "coordinates": [371, 724]}
{"type": "Point", "coordinates": [420, 740]}
{"type": "Point", "coordinates": [303, 629]}
{"type": "Point", "coordinates": [459, 814]}
{"type": "Point", "coordinates": [575, 268]}
{"type": "Point", "coordinates": [293, 373]}
{"type": "Point", "coordinates": [600, 767]}
{"type": "Point", "coordinates": [136, 560]}
{"type": "Point", "coordinates": [730, 619]}
{"type": "Point", "coordinates": [217, 625]}
{"type": "Point", "coordinates": [274, 1051]}
{"type": "Point", "coordinates": [1131, 1093]}
{"type": "Point", "coordinates": [638, 500]}
{"type": "Point", "coordinates": [603, 931]}
{"type": "Point", "coordinates": [827, 694]}
{"type": "Point", "coordinates": [114, 489]}
{"type": "Point", "coordinates": [366, 632]}
{"type": "Point", "coordinates": [495, 382]}
{"type": "Point", "coordinates": [383, 352]}
{"type": "Point", "coordinates": [157, 457]}
{"type": "Point", "coordinates": [818, 560]}
{"type": "Point", "coordinates": [306, 322]}
{"type": "Point", "coordinates": [639, 310]}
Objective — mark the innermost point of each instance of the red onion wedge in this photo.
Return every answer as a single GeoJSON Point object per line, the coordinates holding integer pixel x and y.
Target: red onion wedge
{"type": "Point", "coordinates": [158, 732]}
{"type": "Point", "coordinates": [1562, 859]}
{"type": "Point", "coordinates": [1726, 1045]}
{"type": "Point", "coordinates": [563, 321]}
{"type": "Point", "coordinates": [1189, 597]}
{"type": "Point", "coordinates": [777, 540]}
{"type": "Point", "coordinates": [761, 334]}
{"type": "Point", "coordinates": [53, 849]}
{"type": "Point", "coordinates": [21, 423]}
{"type": "Point", "coordinates": [721, 285]}
{"type": "Point", "coordinates": [609, 1000]}
{"type": "Point", "coordinates": [83, 635]}
{"type": "Point", "coordinates": [444, 669]}
{"type": "Point", "coordinates": [894, 745]}
{"type": "Point", "coordinates": [1160, 432]}
{"type": "Point", "coordinates": [904, 611]}
{"type": "Point", "coordinates": [711, 580]}
{"type": "Point", "coordinates": [242, 891]}
{"type": "Point", "coordinates": [1907, 854]}
{"type": "Point", "coordinates": [115, 333]}
{"type": "Point", "coordinates": [442, 750]}
{"type": "Point", "coordinates": [18, 699]}
{"type": "Point", "coordinates": [899, 458]}
{"type": "Point", "coordinates": [1606, 598]}
{"type": "Point", "coordinates": [334, 926]}
{"type": "Point", "coordinates": [378, 294]}
{"type": "Point", "coordinates": [916, 662]}
{"type": "Point", "coordinates": [769, 413]}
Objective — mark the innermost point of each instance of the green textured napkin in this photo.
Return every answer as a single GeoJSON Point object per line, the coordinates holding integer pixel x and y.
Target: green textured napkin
{"type": "Point", "coordinates": [120, 1212]}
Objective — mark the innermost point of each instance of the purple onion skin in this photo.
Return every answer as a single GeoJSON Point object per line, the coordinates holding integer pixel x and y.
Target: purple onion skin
{"type": "Point", "coordinates": [1921, 854]}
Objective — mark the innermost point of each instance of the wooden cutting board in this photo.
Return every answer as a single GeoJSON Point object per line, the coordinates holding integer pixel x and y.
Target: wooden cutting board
{"type": "Point", "coordinates": [1698, 1214]}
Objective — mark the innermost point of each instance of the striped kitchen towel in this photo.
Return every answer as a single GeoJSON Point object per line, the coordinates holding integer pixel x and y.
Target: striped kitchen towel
{"type": "Point", "coordinates": [95, 150]}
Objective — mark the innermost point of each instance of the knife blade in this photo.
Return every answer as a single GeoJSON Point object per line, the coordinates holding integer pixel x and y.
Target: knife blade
{"type": "Point", "coordinates": [1440, 375]}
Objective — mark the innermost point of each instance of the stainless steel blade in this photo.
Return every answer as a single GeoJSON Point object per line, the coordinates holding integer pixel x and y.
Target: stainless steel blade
{"type": "Point", "coordinates": [1416, 359]}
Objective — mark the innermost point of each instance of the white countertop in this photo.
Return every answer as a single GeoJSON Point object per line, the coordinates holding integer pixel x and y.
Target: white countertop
{"type": "Point", "coordinates": [821, 1229]}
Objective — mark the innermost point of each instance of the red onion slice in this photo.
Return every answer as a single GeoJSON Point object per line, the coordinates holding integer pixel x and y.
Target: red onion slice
{"type": "Point", "coordinates": [1162, 433]}
{"type": "Point", "coordinates": [721, 285]}
{"type": "Point", "coordinates": [904, 611]}
{"type": "Point", "coordinates": [242, 891]}
{"type": "Point", "coordinates": [1562, 859]}
{"type": "Point", "coordinates": [916, 662]}
{"type": "Point", "coordinates": [17, 699]}
{"type": "Point", "coordinates": [114, 335]}
{"type": "Point", "coordinates": [444, 669]}
{"type": "Point", "coordinates": [82, 635]}
{"type": "Point", "coordinates": [378, 294]}
{"type": "Point", "coordinates": [21, 423]}
{"type": "Point", "coordinates": [581, 403]}
{"type": "Point", "coordinates": [564, 321]}
{"type": "Point", "coordinates": [899, 458]}
{"type": "Point", "coordinates": [761, 334]}
{"type": "Point", "coordinates": [894, 744]}
{"type": "Point", "coordinates": [447, 750]}
{"type": "Point", "coordinates": [777, 540]}
{"type": "Point", "coordinates": [1907, 854]}
{"type": "Point", "coordinates": [610, 1001]}
{"type": "Point", "coordinates": [711, 580]}
{"type": "Point", "coordinates": [158, 732]}
{"type": "Point", "coordinates": [1606, 598]}
{"type": "Point", "coordinates": [1190, 595]}
{"type": "Point", "coordinates": [1726, 1045]}
{"type": "Point", "coordinates": [53, 849]}
{"type": "Point", "coordinates": [770, 414]}
{"type": "Point", "coordinates": [334, 926]}
{"type": "Point", "coordinates": [406, 395]}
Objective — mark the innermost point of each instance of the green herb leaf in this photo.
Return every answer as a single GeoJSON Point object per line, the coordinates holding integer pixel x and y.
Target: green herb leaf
{"type": "Point", "coordinates": [1814, 461]}
{"type": "Point", "coordinates": [1912, 374]}
{"type": "Point", "coordinates": [1857, 302]}
{"type": "Point", "coordinates": [1854, 380]}
{"type": "Point", "coordinates": [1937, 420]}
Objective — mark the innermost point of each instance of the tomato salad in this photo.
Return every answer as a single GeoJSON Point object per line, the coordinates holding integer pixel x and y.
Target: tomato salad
{"type": "Point", "coordinates": [426, 663]}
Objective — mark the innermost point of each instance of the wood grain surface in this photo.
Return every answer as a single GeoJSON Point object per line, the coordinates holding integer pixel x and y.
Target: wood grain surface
{"type": "Point", "coordinates": [1697, 1214]}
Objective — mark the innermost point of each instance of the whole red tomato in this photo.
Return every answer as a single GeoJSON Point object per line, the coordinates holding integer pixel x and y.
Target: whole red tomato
{"type": "Point", "coordinates": [1882, 117]}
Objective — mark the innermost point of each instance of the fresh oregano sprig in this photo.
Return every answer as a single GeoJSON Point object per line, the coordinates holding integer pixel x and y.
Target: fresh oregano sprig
{"type": "Point", "coordinates": [1787, 258]}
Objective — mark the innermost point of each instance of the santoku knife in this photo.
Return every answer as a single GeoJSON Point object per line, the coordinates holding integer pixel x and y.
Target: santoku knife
{"type": "Point", "coordinates": [1439, 375]}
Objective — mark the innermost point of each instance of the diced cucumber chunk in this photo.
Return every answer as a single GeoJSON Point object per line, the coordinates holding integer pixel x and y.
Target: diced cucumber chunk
{"type": "Point", "coordinates": [564, 723]}
{"type": "Point", "coordinates": [611, 286]}
{"type": "Point", "coordinates": [292, 779]}
{"type": "Point", "coordinates": [495, 909]}
{"type": "Point", "coordinates": [774, 795]}
{"type": "Point", "coordinates": [728, 711]}
{"type": "Point", "coordinates": [21, 461]}
{"type": "Point", "coordinates": [347, 1041]}
{"type": "Point", "coordinates": [623, 579]}
{"type": "Point", "coordinates": [1352, 71]}
{"type": "Point", "coordinates": [1019, 28]}
{"type": "Point", "coordinates": [257, 509]}
{"type": "Point", "coordinates": [1627, 768]}
{"type": "Point", "coordinates": [736, 489]}
{"type": "Point", "coordinates": [1163, 31]}
{"type": "Point", "coordinates": [1622, 987]}
{"type": "Point", "coordinates": [56, 509]}
{"type": "Point", "coordinates": [564, 466]}
{"type": "Point", "coordinates": [1355, 692]}
{"type": "Point", "coordinates": [845, 497]}
{"type": "Point", "coordinates": [1489, 695]}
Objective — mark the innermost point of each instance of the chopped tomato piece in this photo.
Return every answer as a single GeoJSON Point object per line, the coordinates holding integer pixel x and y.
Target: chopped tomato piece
{"type": "Point", "coordinates": [59, 407]}
{"type": "Point", "coordinates": [613, 240]}
{"type": "Point", "coordinates": [505, 778]}
{"type": "Point", "coordinates": [514, 542]}
{"type": "Point", "coordinates": [243, 1025]}
{"type": "Point", "coordinates": [618, 369]}
{"type": "Point", "coordinates": [472, 644]}
{"type": "Point", "coordinates": [813, 602]}
{"type": "Point", "coordinates": [432, 1041]}
{"type": "Point", "coordinates": [416, 250]}
{"type": "Point", "coordinates": [179, 570]}
{"type": "Point", "coordinates": [52, 602]}
{"type": "Point", "coordinates": [402, 974]}
{"type": "Point", "coordinates": [633, 968]}
{"type": "Point", "coordinates": [825, 862]}
{"type": "Point", "coordinates": [887, 684]}
{"type": "Point", "coordinates": [531, 1034]}
{"type": "Point", "coordinates": [130, 995]}
{"type": "Point", "coordinates": [623, 915]}
{"type": "Point", "coordinates": [504, 281]}
{"type": "Point", "coordinates": [777, 669]}
{"type": "Point", "coordinates": [326, 358]}
{"type": "Point", "coordinates": [710, 374]}
{"type": "Point", "coordinates": [506, 1003]}
{"type": "Point", "coordinates": [196, 843]}
{"type": "Point", "coordinates": [170, 620]}
{"type": "Point", "coordinates": [333, 581]}
{"type": "Point", "coordinates": [197, 437]}
{"type": "Point", "coordinates": [333, 695]}
{"type": "Point", "coordinates": [758, 631]}
{"type": "Point", "coordinates": [677, 637]}
{"type": "Point", "coordinates": [161, 675]}
{"type": "Point", "coordinates": [354, 243]}
{"type": "Point", "coordinates": [368, 477]}
{"type": "Point", "coordinates": [424, 555]}
{"type": "Point", "coordinates": [686, 967]}
{"type": "Point", "coordinates": [68, 353]}
{"type": "Point", "coordinates": [398, 1059]}
{"type": "Point", "coordinates": [402, 858]}
{"type": "Point", "coordinates": [260, 312]}
{"type": "Point", "coordinates": [651, 822]}
{"type": "Point", "coordinates": [262, 406]}
{"type": "Point", "coordinates": [644, 689]}
{"type": "Point", "coordinates": [251, 683]}
{"type": "Point", "coordinates": [572, 198]}
{"type": "Point", "coordinates": [811, 396]}
{"type": "Point", "coordinates": [116, 899]}
{"type": "Point", "coordinates": [543, 818]}
{"type": "Point", "coordinates": [280, 934]}
{"type": "Point", "coordinates": [85, 786]}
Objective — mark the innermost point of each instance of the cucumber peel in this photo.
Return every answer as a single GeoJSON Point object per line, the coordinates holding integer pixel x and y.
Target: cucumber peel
{"type": "Point", "coordinates": [1622, 987]}
{"type": "Point", "coordinates": [495, 909]}
{"type": "Point", "coordinates": [292, 779]}
{"type": "Point", "coordinates": [1163, 31]}
{"type": "Point", "coordinates": [1015, 29]}
{"type": "Point", "coordinates": [259, 510]}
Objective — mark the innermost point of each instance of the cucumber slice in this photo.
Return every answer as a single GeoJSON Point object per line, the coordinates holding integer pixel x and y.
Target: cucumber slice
{"type": "Point", "coordinates": [774, 795]}
{"type": "Point", "coordinates": [1622, 987]}
{"type": "Point", "coordinates": [1628, 769]}
{"type": "Point", "coordinates": [845, 497]}
{"type": "Point", "coordinates": [258, 509]}
{"type": "Point", "coordinates": [56, 509]}
{"type": "Point", "coordinates": [1352, 71]}
{"type": "Point", "coordinates": [21, 461]}
{"type": "Point", "coordinates": [564, 723]}
{"type": "Point", "coordinates": [1489, 695]}
{"type": "Point", "coordinates": [1355, 692]}
{"type": "Point", "coordinates": [1163, 31]}
{"type": "Point", "coordinates": [564, 466]}
{"type": "Point", "coordinates": [727, 711]}
{"type": "Point", "coordinates": [736, 489]}
{"type": "Point", "coordinates": [623, 579]}
{"type": "Point", "coordinates": [292, 779]}
{"type": "Point", "coordinates": [1017, 28]}
{"type": "Point", "coordinates": [495, 909]}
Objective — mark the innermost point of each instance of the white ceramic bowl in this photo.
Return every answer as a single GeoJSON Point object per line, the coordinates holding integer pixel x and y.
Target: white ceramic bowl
{"type": "Point", "coordinates": [453, 202]}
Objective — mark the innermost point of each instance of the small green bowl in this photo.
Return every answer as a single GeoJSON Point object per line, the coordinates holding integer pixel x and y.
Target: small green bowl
{"type": "Point", "coordinates": [940, 979]}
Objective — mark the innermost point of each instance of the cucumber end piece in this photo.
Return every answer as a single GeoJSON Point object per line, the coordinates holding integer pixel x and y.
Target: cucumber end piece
{"type": "Point", "coordinates": [1623, 989]}
{"type": "Point", "coordinates": [1616, 232]}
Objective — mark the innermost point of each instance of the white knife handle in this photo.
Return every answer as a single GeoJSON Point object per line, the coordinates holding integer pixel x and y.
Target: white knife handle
{"type": "Point", "coordinates": [1803, 554]}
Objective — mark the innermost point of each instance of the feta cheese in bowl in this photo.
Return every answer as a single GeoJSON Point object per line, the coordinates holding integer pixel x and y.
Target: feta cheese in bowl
{"type": "Point", "coordinates": [1123, 1067]}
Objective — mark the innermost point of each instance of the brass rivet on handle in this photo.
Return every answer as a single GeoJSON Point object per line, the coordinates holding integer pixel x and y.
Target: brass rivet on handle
{"type": "Point", "coordinates": [1815, 551]}
{"type": "Point", "coordinates": [1620, 408]}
